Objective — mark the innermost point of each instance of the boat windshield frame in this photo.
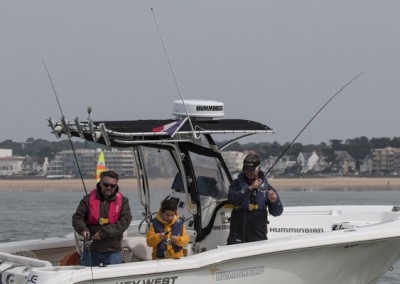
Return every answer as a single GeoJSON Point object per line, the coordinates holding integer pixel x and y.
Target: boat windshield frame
{"type": "Point", "coordinates": [200, 181]}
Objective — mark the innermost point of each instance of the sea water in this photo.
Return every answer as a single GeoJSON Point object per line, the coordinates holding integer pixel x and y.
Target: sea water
{"type": "Point", "coordinates": [33, 215]}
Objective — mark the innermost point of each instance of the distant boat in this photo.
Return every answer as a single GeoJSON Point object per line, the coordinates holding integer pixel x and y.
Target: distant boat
{"type": "Point", "coordinates": [101, 166]}
{"type": "Point", "coordinates": [59, 176]}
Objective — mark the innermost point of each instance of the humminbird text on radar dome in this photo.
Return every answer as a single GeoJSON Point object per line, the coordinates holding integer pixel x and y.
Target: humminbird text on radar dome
{"type": "Point", "coordinates": [209, 108]}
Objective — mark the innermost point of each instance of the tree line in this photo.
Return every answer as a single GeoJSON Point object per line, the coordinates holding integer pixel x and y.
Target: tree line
{"type": "Point", "coordinates": [358, 148]}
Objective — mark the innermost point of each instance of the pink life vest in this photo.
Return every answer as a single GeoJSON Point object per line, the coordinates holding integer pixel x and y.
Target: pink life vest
{"type": "Point", "coordinates": [113, 211]}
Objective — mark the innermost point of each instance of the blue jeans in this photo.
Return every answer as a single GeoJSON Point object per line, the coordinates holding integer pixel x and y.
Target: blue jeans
{"type": "Point", "coordinates": [97, 258]}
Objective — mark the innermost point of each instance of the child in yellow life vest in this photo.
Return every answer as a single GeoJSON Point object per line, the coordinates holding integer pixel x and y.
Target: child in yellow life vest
{"type": "Point", "coordinates": [167, 234]}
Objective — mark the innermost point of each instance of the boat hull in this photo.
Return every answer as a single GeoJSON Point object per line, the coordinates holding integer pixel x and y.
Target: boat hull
{"type": "Point", "coordinates": [335, 244]}
{"type": "Point", "coordinates": [354, 262]}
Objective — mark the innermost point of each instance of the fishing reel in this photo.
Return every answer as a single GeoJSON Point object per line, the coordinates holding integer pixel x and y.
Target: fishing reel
{"type": "Point", "coordinates": [264, 186]}
{"type": "Point", "coordinates": [88, 242]}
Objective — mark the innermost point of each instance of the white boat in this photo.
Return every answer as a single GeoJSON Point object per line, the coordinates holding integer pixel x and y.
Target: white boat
{"type": "Point", "coordinates": [180, 159]}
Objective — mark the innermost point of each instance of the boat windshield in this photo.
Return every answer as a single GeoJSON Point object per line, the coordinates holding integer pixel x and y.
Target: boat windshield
{"type": "Point", "coordinates": [164, 177]}
{"type": "Point", "coordinates": [210, 177]}
{"type": "Point", "coordinates": [161, 170]}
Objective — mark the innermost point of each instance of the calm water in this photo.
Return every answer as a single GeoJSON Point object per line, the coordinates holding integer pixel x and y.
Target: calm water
{"type": "Point", "coordinates": [30, 215]}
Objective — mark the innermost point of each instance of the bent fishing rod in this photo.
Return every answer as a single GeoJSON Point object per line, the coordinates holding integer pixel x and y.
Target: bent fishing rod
{"type": "Point", "coordinates": [264, 175]}
{"type": "Point", "coordinates": [312, 118]}
{"type": "Point", "coordinates": [66, 127]}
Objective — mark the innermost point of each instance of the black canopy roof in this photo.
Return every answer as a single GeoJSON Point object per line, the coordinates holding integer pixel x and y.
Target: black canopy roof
{"type": "Point", "coordinates": [124, 133]}
{"type": "Point", "coordinates": [228, 125]}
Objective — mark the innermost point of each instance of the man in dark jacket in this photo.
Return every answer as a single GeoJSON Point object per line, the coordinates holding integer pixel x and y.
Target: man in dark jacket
{"type": "Point", "coordinates": [251, 195]}
{"type": "Point", "coordinates": [103, 216]}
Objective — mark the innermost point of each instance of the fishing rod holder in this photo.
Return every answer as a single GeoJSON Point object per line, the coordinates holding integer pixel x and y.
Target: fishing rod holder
{"type": "Point", "coordinates": [103, 131]}
{"type": "Point", "coordinates": [79, 128]}
{"type": "Point", "coordinates": [56, 129]}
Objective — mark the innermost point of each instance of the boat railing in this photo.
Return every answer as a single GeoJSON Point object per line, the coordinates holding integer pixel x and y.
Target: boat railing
{"type": "Point", "coordinates": [28, 261]}
{"type": "Point", "coordinates": [313, 212]}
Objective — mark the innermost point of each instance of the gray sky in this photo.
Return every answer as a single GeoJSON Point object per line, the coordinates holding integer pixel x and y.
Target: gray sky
{"type": "Point", "coordinates": [276, 62]}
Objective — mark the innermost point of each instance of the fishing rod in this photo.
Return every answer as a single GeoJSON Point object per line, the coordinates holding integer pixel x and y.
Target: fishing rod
{"type": "Point", "coordinates": [264, 186]}
{"type": "Point", "coordinates": [65, 126]}
{"type": "Point", "coordinates": [183, 220]}
{"type": "Point", "coordinates": [86, 243]}
{"type": "Point", "coordinates": [291, 143]}
{"type": "Point", "coordinates": [191, 216]}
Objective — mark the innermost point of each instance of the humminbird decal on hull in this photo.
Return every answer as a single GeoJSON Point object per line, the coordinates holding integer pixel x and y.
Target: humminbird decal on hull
{"type": "Point", "coordinates": [296, 230]}
{"type": "Point", "coordinates": [239, 273]}
{"type": "Point", "coordinates": [209, 108]}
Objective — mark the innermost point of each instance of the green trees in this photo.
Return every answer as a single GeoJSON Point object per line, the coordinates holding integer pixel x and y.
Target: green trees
{"type": "Point", "coordinates": [358, 147]}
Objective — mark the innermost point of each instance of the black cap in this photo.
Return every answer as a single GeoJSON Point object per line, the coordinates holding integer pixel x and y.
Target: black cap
{"type": "Point", "coordinates": [251, 162]}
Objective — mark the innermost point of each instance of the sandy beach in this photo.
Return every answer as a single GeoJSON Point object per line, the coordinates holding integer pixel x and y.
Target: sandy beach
{"type": "Point", "coordinates": [345, 183]}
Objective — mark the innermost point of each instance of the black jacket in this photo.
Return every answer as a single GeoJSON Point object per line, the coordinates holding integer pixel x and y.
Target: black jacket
{"type": "Point", "coordinates": [110, 234]}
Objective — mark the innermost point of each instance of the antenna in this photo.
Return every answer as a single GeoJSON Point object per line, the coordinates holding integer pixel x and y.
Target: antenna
{"type": "Point", "coordinates": [89, 111]}
{"type": "Point", "coordinates": [173, 73]}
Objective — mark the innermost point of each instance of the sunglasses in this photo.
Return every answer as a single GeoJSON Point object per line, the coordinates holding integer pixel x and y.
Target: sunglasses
{"type": "Point", "coordinates": [112, 186]}
{"type": "Point", "coordinates": [253, 172]}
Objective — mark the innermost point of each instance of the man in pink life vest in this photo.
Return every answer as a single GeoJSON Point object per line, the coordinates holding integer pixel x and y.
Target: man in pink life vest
{"type": "Point", "coordinates": [102, 216]}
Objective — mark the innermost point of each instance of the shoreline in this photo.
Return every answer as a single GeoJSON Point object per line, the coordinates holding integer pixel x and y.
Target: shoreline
{"type": "Point", "coordinates": [284, 184]}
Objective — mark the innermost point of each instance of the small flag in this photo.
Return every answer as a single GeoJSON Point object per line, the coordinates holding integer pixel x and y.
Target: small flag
{"type": "Point", "coordinates": [169, 128]}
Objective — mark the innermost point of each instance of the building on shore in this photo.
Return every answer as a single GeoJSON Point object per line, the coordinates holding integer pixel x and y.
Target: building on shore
{"type": "Point", "coordinates": [345, 162]}
{"type": "Point", "coordinates": [11, 166]}
{"type": "Point", "coordinates": [386, 160]}
{"type": "Point", "coordinates": [5, 153]}
{"type": "Point", "coordinates": [64, 163]}
{"type": "Point", "coordinates": [307, 161]}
